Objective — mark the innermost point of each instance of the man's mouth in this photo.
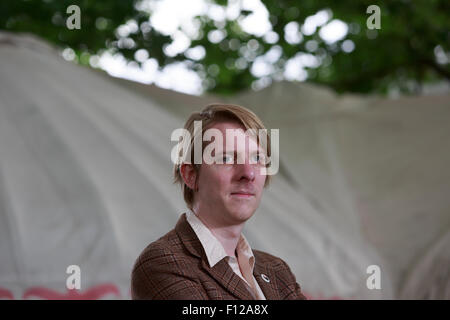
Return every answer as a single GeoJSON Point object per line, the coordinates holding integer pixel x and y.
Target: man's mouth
{"type": "Point", "coordinates": [243, 194]}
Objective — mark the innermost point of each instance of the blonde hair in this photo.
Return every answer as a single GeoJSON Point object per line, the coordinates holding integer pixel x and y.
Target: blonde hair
{"type": "Point", "coordinates": [210, 115]}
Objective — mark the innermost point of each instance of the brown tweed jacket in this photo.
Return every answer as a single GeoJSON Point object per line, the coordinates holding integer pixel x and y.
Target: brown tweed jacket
{"type": "Point", "coordinates": [175, 267]}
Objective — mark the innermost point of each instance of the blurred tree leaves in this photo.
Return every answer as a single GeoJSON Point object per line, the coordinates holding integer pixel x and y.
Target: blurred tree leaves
{"type": "Point", "coordinates": [401, 55]}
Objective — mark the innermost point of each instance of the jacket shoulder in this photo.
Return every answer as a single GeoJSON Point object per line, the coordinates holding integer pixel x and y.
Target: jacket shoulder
{"type": "Point", "coordinates": [165, 253]}
{"type": "Point", "coordinates": [266, 258]}
{"type": "Point", "coordinates": [166, 245]}
{"type": "Point", "coordinates": [164, 271]}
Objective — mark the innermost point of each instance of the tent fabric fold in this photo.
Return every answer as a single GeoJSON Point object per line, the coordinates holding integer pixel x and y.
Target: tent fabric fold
{"type": "Point", "coordinates": [86, 179]}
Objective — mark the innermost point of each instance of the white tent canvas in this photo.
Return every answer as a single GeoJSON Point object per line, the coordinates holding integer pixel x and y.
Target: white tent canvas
{"type": "Point", "coordinates": [85, 179]}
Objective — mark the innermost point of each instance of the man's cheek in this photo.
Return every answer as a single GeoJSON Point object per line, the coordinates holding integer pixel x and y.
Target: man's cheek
{"type": "Point", "coordinates": [261, 181]}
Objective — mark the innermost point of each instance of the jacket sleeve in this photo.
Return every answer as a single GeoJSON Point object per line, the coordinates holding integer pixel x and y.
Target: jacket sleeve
{"type": "Point", "coordinates": [159, 275]}
{"type": "Point", "coordinates": [290, 288]}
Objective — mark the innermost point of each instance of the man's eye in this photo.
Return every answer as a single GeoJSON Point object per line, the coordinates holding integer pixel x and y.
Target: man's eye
{"type": "Point", "coordinates": [227, 158]}
{"type": "Point", "coordinates": [258, 158]}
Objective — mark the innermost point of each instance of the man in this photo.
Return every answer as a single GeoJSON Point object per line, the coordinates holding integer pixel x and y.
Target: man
{"type": "Point", "coordinates": [206, 256]}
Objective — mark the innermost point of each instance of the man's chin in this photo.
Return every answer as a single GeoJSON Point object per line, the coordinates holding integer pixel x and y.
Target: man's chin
{"type": "Point", "coordinates": [242, 214]}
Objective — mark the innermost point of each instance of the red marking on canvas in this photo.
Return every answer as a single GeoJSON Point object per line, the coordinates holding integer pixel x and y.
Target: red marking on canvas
{"type": "Point", "coordinates": [93, 293]}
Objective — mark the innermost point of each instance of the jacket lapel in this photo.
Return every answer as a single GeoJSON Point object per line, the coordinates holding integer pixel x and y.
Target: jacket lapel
{"type": "Point", "coordinates": [221, 272]}
{"type": "Point", "coordinates": [263, 273]}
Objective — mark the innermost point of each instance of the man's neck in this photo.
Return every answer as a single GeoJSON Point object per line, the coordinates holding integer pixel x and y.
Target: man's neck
{"type": "Point", "coordinates": [228, 235]}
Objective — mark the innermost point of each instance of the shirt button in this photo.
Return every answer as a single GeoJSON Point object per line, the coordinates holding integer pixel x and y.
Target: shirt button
{"type": "Point", "coordinates": [265, 278]}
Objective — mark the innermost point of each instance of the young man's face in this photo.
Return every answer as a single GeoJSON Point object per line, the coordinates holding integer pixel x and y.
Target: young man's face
{"type": "Point", "coordinates": [230, 193]}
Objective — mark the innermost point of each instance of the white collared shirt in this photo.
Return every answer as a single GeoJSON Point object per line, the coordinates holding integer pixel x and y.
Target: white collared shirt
{"type": "Point", "coordinates": [244, 264]}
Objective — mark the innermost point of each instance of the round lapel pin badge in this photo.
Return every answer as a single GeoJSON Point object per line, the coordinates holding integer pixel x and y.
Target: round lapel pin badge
{"type": "Point", "coordinates": [265, 278]}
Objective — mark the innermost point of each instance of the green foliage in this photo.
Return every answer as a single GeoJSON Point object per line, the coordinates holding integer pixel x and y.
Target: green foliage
{"type": "Point", "coordinates": [399, 55]}
{"type": "Point", "coordinates": [99, 21]}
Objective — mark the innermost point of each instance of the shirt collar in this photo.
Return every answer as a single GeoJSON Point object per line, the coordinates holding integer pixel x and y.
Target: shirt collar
{"type": "Point", "coordinates": [212, 246]}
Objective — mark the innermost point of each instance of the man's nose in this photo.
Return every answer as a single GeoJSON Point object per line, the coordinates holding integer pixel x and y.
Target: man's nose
{"type": "Point", "coordinates": [246, 171]}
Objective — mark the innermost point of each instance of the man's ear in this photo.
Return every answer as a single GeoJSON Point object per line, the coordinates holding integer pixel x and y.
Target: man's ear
{"type": "Point", "coordinates": [188, 174]}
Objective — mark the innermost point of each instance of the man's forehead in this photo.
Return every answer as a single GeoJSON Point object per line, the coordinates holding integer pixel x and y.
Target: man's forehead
{"type": "Point", "coordinates": [228, 124]}
{"type": "Point", "coordinates": [233, 129]}
{"type": "Point", "coordinates": [240, 137]}
{"type": "Point", "coordinates": [239, 141]}
{"type": "Point", "coordinates": [235, 137]}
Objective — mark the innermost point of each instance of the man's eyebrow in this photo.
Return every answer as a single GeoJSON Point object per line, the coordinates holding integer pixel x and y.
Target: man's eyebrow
{"type": "Point", "coordinates": [259, 151]}
{"type": "Point", "coordinates": [222, 151]}
{"type": "Point", "coordinates": [225, 151]}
